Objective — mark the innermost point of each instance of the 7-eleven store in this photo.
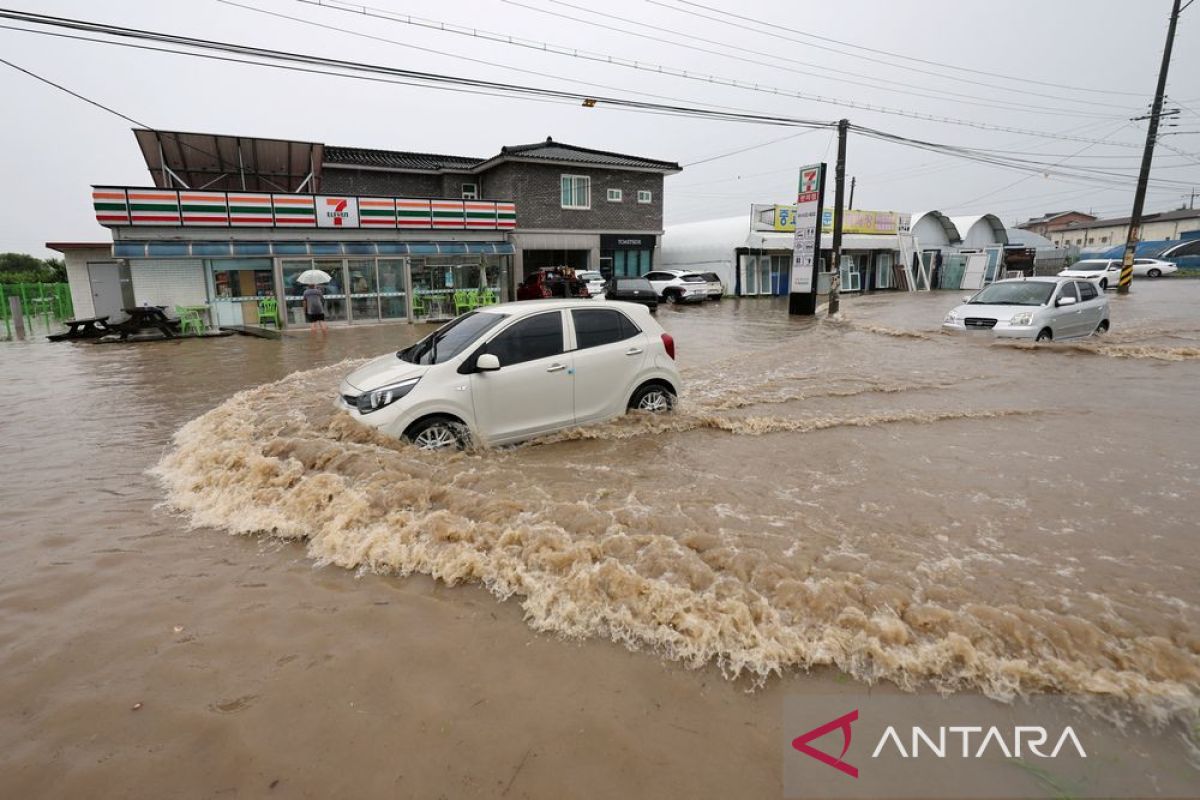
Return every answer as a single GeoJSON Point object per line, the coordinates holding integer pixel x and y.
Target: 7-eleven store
{"type": "Point", "coordinates": [391, 258]}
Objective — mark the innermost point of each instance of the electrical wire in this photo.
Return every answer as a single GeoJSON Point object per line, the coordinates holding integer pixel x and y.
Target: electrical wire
{"type": "Point", "coordinates": [989, 73]}
{"type": "Point", "coordinates": [612, 60]}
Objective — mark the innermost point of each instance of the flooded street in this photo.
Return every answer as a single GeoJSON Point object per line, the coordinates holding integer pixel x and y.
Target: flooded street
{"type": "Point", "coordinates": [835, 504]}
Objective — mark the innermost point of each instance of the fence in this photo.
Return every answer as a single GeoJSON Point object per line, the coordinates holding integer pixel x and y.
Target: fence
{"type": "Point", "coordinates": [48, 302]}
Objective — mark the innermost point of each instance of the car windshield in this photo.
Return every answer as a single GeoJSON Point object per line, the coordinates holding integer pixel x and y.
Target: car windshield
{"type": "Point", "coordinates": [589, 276]}
{"type": "Point", "coordinates": [1018, 293]}
{"type": "Point", "coordinates": [450, 339]}
{"type": "Point", "coordinates": [1089, 266]}
{"type": "Point", "coordinates": [630, 284]}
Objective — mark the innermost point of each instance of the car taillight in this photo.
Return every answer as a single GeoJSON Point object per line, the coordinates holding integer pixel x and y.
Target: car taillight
{"type": "Point", "coordinates": [669, 344]}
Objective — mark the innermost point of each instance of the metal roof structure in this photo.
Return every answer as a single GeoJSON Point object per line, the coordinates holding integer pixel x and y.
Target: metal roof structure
{"type": "Point", "coordinates": [180, 160]}
{"type": "Point", "coordinates": [1161, 216]}
{"type": "Point", "coordinates": [973, 230]}
{"type": "Point", "coordinates": [952, 234]}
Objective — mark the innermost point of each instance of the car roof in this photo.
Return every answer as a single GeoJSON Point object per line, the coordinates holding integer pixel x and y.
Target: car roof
{"type": "Point", "coordinates": [519, 307]}
{"type": "Point", "coordinates": [1036, 279]}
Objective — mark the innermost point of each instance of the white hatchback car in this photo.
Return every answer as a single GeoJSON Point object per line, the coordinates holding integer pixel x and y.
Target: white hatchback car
{"type": "Point", "coordinates": [512, 371]}
{"type": "Point", "coordinates": [1033, 308]}
{"type": "Point", "coordinates": [678, 285]}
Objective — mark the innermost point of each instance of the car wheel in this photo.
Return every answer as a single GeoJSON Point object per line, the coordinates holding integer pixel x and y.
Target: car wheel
{"type": "Point", "coordinates": [437, 433]}
{"type": "Point", "coordinates": [1102, 328]}
{"type": "Point", "coordinates": [1103, 284]}
{"type": "Point", "coordinates": [671, 297]}
{"type": "Point", "coordinates": [653, 398]}
{"type": "Point", "coordinates": [1154, 273]}
{"type": "Point", "coordinates": [1045, 335]}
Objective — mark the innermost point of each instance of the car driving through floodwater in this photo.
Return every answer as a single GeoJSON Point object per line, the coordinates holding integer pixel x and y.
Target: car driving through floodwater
{"type": "Point", "coordinates": [1033, 308]}
{"type": "Point", "coordinates": [517, 370]}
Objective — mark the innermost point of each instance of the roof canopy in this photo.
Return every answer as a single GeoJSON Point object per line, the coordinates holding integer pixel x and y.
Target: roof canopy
{"type": "Point", "coordinates": [178, 160]}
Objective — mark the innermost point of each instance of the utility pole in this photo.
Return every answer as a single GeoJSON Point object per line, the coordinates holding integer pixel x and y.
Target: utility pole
{"type": "Point", "coordinates": [1139, 197]}
{"type": "Point", "coordinates": [850, 202]}
{"type": "Point", "coordinates": [839, 190]}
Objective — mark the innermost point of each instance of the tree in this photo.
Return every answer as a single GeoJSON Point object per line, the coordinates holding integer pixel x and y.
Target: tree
{"type": "Point", "coordinates": [24, 268]}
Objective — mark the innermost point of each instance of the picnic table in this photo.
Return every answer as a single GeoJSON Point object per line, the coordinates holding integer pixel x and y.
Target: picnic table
{"type": "Point", "coordinates": [143, 317]}
{"type": "Point", "coordinates": [86, 328]}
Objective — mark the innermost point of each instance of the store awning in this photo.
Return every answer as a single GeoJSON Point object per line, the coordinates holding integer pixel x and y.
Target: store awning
{"type": "Point", "coordinates": [193, 249]}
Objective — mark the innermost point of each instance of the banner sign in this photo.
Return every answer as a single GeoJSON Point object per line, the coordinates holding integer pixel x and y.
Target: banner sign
{"type": "Point", "coordinates": [782, 219]}
{"type": "Point", "coordinates": [119, 206]}
{"type": "Point", "coordinates": [806, 246]}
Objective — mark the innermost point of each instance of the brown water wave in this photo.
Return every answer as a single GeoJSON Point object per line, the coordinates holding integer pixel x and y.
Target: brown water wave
{"type": "Point", "coordinates": [758, 590]}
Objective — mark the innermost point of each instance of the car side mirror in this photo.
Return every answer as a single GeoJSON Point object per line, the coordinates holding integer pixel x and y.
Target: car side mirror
{"type": "Point", "coordinates": [1066, 301]}
{"type": "Point", "coordinates": [966, 298]}
{"type": "Point", "coordinates": [487, 362]}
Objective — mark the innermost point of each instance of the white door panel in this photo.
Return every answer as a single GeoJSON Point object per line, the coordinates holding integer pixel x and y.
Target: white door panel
{"type": "Point", "coordinates": [602, 376]}
{"type": "Point", "coordinates": [524, 399]}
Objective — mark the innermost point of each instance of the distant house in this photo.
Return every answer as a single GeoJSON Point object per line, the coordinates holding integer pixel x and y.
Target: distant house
{"type": "Point", "coordinates": [1099, 234]}
{"type": "Point", "coordinates": [1055, 220]}
{"type": "Point", "coordinates": [232, 220]}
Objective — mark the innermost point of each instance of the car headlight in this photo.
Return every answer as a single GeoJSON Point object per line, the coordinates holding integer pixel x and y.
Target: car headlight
{"type": "Point", "coordinates": [384, 395]}
{"type": "Point", "coordinates": [951, 317]}
{"type": "Point", "coordinates": [1023, 318]}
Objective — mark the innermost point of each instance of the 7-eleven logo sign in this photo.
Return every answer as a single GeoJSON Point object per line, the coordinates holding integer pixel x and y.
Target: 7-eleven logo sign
{"type": "Point", "coordinates": [810, 179]}
{"type": "Point", "coordinates": [337, 212]}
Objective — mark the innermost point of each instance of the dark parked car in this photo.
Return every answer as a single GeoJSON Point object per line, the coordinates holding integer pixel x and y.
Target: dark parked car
{"type": "Point", "coordinates": [552, 282]}
{"type": "Point", "coordinates": [632, 290]}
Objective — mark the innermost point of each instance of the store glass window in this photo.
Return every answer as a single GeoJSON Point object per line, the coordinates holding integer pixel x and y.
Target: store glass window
{"type": "Point", "coordinates": [391, 289]}
{"type": "Point", "coordinates": [237, 285]}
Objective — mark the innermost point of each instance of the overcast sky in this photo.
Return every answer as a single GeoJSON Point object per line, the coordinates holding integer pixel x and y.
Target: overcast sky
{"type": "Point", "coordinates": [55, 146]}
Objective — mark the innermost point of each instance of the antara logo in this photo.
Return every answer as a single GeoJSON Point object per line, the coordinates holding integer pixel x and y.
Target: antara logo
{"type": "Point", "coordinates": [339, 212]}
{"type": "Point", "coordinates": [940, 742]}
{"type": "Point", "coordinates": [843, 722]}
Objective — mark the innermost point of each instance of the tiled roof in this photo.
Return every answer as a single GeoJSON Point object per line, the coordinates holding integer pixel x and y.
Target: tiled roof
{"type": "Point", "coordinates": [397, 159]}
{"type": "Point", "coordinates": [1161, 216]}
{"type": "Point", "coordinates": [1052, 216]}
{"type": "Point", "coordinates": [549, 150]}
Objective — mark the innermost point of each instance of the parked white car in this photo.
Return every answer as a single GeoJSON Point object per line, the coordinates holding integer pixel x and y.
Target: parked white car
{"type": "Point", "coordinates": [716, 287]}
{"type": "Point", "coordinates": [678, 285]}
{"type": "Point", "coordinates": [512, 371]}
{"type": "Point", "coordinates": [1107, 271]}
{"type": "Point", "coordinates": [1033, 308]}
{"type": "Point", "coordinates": [594, 281]}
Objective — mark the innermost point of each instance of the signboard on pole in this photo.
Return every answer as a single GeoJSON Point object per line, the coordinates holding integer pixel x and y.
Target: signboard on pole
{"type": "Point", "coordinates": [806, 247]}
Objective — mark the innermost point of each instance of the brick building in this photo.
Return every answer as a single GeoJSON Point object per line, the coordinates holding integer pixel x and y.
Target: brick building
{"type": "Point", "coordinates": [232, 220]}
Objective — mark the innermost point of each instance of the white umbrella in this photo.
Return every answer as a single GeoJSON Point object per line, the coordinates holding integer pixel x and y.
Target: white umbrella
{"type": "Point", "coordinates": [314, 276]}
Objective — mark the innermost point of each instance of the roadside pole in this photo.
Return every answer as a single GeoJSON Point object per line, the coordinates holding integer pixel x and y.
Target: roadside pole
{"type": "Point", "coordinates": [806, 246]}
{"type": "Point", "coordinates": [839, 191]}
{"type": "Point", "coordinates": [1139, 197]}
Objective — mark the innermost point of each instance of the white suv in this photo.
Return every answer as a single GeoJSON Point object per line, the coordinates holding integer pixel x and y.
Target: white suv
{"type": "Point", "coordinates": [516, 370]}
{"type": "Point", "coordinates": [678, 285]}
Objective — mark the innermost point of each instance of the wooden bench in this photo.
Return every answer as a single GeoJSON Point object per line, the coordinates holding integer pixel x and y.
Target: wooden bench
{"type": "Point", "coordinates": [87, 328]}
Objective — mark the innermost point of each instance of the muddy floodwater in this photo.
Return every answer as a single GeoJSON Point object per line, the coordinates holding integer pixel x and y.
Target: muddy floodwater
{"type": "Point", "coordinates": [213, 583]}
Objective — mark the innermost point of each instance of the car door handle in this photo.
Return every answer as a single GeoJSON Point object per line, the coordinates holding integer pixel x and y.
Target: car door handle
{"type": "Point", "coordinates": [556, 368]}
{"type": "Point", "coordinates": [633, 351]}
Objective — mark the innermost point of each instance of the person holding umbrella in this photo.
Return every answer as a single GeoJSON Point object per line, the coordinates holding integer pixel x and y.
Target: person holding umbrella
{"type": "Point", "coordinates": [314, 299]}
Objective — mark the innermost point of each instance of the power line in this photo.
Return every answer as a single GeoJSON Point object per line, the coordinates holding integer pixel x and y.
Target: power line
{"type": "Point", "coordinates": [989, 73]}
{"type": "Point", "coordinates": [905, 88]}
{"type": "Point", "coordinates": [394, 74]}
{"type": "Point", "coordinates": [746, 149]}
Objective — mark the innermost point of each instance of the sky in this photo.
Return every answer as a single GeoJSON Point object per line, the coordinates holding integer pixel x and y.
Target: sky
{"type": "Point", "coordinates": [1075, 69]}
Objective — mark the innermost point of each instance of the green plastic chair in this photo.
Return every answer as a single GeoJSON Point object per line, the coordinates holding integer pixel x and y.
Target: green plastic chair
{"type": "Point", "coordinates": [190, 319]}
{"type": "Point", "coordinates": [268, 310]}
{"type": "Point", "coordinates": [418, 302]}
{"type": "Point", "coordinates": [488, 297]}
{"type": "Point", "coordinates": [462, 301]}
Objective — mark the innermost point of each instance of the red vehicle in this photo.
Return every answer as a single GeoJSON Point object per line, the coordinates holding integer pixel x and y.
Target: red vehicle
{"type": "Point", "coordinates": [552, 282]}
